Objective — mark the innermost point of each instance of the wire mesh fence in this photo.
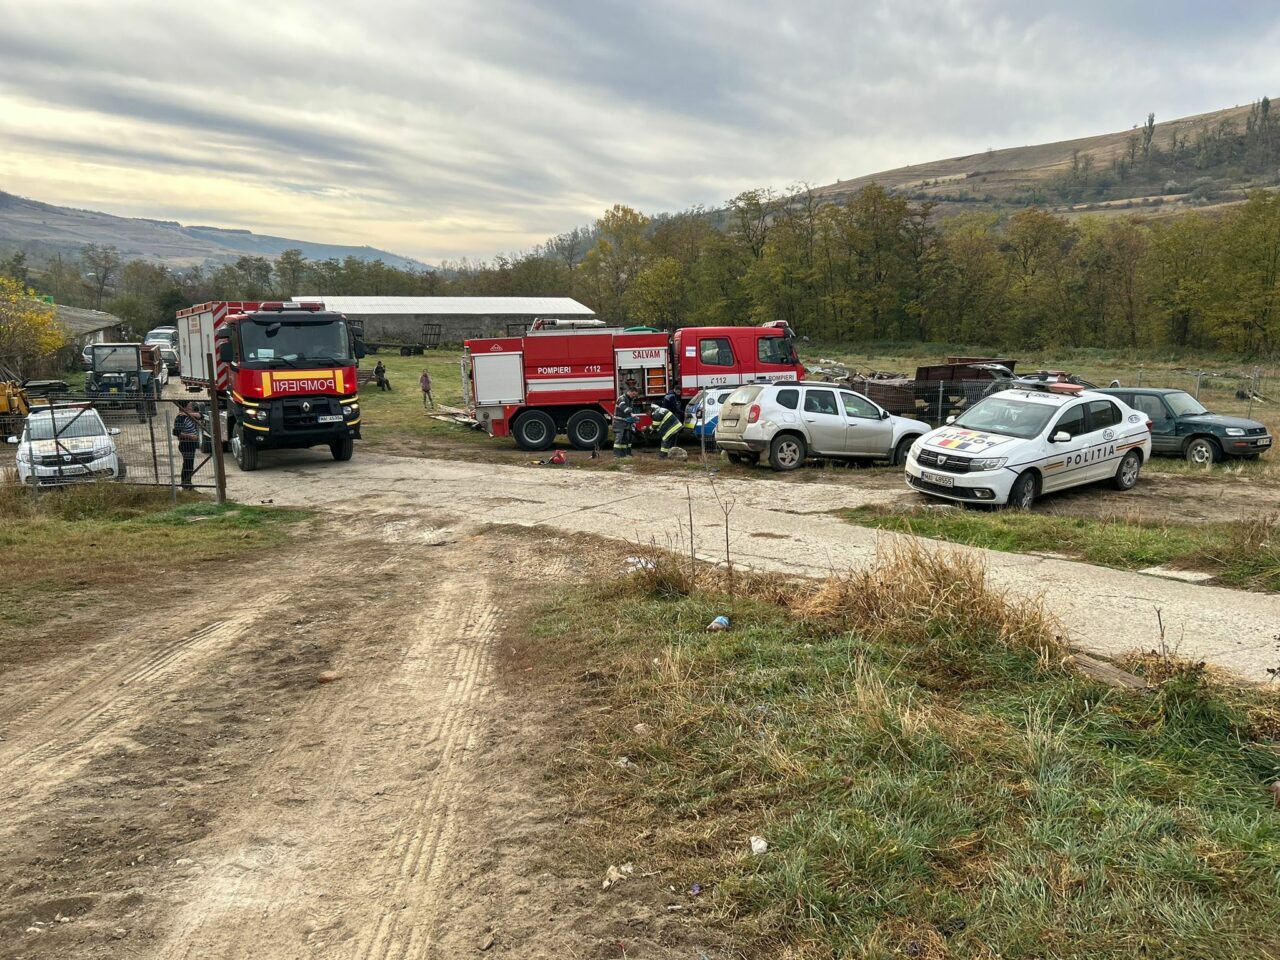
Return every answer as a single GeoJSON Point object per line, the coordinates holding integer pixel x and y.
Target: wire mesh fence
{"type": "Point", "coordinates": [81, 438]}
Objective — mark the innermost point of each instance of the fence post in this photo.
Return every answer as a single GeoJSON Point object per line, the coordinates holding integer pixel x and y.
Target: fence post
{"type": "Point", "coordinates": [168, 432]}
{"type": "Point", "coordinates": [151, 429]}
{"type": "Point", "coordinates": [219, 469]}
{"type": "Point", "coordinates": [941, 415]}
{"type": "Point", "coordinates": [1199, 377]}
{"type": "Point", "coordinates": [1139, 376]}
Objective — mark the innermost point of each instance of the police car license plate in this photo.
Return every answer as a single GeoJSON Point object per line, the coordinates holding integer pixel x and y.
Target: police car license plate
{"type": "Point", "coordinates": [938, 478]}
{"type": "Point", "coordinates": [330, 418]}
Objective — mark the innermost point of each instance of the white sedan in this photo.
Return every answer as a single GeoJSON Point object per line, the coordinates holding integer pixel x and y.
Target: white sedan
{"type": "Point", "coordinates": [1013, 446]}
{"type": "Point", "coordinates": [66, 444]}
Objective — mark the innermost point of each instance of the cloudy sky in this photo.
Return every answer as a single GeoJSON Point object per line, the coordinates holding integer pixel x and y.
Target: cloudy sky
{"type": "Point", "coordinates": [442, 128]}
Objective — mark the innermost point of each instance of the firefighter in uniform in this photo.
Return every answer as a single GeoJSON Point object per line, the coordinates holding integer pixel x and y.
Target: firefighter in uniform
{"type": "Point", "coordinates": [667, 426]}
{"type": "Point", "coordinates": [624, 422]}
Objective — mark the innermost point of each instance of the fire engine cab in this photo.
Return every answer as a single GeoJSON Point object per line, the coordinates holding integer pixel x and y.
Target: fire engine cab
{"type": "Point", "coordinates": [564, 377]}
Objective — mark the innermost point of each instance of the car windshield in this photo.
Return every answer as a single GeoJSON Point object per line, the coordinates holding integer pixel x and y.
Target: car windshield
{"type": "Point", "coordinates": [42, 427]}
{"type": "Point", "coordinates": [291, 341]}
{"type": "Point", "coordinates": [115, 359]}
{"type": "Point", "coordinates": [1010, 418]}
{"type": "Point", "coordinates": [1184, 404]}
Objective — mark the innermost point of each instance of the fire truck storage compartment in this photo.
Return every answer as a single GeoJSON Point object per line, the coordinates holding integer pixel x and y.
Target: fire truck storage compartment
{"type": "Point", "coordinates": [499, 378]}
{"type": "Point", "coordinates": [647, 366]}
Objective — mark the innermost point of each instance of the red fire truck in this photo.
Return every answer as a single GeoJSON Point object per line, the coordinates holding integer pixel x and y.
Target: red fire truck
{"type": "Point", "coordinates": [286, 374]}
{"type": "Point", "coordinates": [565, 376]}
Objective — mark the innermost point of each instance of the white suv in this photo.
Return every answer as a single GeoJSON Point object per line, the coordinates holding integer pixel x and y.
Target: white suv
{"type": "Point", "coordinates": [67, 444]}
{"type": "Point", "coordinates": [790, 422]}
{"type": "Point", "coordinates": [1014, 445]}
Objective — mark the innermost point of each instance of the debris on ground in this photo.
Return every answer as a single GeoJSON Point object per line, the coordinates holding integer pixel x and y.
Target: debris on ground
{"type": "Point", "coordinates": [485, 942]}
{"type": "Point", "coordinates": [329, 676]}
{"type": "Point", "coordinates": [639, 563]}
{"type": "Point", "coordinates": [615, 874]}
{"type": "Point", "coordinates": [719, 623]}
{"type": "Point", "coordinates": [759, 845]}
{"type": "Point", "coordinates": [695, 890]}
{"type": "Point", "coordinates": [642, 729]}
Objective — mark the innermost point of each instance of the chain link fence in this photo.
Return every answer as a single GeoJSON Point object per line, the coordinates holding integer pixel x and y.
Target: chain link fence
{"type": "Point", "coordinates": [79, 438]}
{"type": "Point", "coordinates": [1245, 392]}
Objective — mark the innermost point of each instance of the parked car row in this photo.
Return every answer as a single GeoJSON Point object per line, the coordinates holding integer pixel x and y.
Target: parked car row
{"type": "Point", "coordinates": [1036, 437]}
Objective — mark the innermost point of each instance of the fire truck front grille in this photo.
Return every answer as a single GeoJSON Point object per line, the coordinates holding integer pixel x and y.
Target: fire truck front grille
{"type": "Point", "coordinates": [297, 417]}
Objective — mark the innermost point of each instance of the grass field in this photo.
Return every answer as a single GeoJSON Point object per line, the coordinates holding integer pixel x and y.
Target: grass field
{"type": "Point", "coordinates": [64, 546]}
{"type": "Point", "coordinates": [931, 779]}
{"type": "Point", "coordinates": [1243, 553]}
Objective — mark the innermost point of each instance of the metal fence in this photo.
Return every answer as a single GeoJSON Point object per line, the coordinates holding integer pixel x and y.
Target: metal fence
{"type": "Point", "coordinates": [78, 438]}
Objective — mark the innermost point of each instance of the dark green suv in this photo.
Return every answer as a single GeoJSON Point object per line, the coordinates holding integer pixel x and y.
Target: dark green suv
{"type": "Point", "coordinates": [1181, 427]}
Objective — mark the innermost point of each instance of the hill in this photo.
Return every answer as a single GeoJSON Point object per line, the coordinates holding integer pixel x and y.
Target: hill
{"type": "Point", "coordinates": [1204, 160]}
{"type": "Point", "coordinates": [43, 230]}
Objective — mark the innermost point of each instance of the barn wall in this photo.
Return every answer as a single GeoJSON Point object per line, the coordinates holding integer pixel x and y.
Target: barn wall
{"type": "Point", "coordinates": [454, 328]}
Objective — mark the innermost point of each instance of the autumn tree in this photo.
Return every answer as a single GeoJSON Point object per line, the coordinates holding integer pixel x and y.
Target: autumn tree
{"type": "Point", "coordinates": [29, 328]}
{"type": "Point", "coordinates": [102, 263]}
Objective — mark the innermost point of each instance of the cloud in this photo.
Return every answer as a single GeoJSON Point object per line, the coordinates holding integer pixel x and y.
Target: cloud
{"type": "Point", "coordinates": [465, 129]}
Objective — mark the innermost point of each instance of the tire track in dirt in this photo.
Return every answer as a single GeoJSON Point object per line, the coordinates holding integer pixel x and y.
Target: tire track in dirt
{"type": "Point", "coordinates": [53, 736]}
{"type": "Point", "coordinates": [354, 861]}
{"type": "Point", "coordinates": [420, 848]}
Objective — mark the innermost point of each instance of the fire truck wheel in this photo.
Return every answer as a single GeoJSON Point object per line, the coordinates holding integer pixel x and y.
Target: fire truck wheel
{"type": "Point", "coordinates": [587, 430]}
{"type": "Point", "coordinates": [341, 449]}
{"type": "Point", "coordinates": [787, 452]}
{"type": "Point", "coordinates": [534, 430]}
{"type": "Point", "coordinates": [245, 453]}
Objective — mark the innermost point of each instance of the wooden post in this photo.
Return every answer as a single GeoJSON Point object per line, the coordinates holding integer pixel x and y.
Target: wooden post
{"type": "Point", "coordinates": [219, 468]}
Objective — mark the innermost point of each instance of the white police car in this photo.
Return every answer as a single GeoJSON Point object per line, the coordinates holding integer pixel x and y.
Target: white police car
{"type": "Point", "coordinates": [1013, 446]}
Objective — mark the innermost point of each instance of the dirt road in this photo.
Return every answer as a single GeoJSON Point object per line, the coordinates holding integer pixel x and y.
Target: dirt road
{"type": "Point", "coordinates": [782, 527]}
{"type": "Point", "coordinates": [182, 787]}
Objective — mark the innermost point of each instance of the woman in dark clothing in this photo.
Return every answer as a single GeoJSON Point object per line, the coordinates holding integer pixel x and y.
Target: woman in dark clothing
{"type": "Point", "coordinates": [187, 429]}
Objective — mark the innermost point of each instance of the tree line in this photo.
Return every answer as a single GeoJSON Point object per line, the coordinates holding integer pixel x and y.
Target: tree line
{"type": "Point", "coordinates": [875, 266]}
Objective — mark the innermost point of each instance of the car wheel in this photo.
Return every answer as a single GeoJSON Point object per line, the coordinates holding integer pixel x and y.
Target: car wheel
{"type": "Point", "coordinates": [587, 430]}
{"type": "Point", "coordinates": [1203, 452]}
{"type": "Point", "coordinates": [1126, 477]}
{"type": "Point", "coordinates": [1023, 494]}
{"type": "Point", "coordinates": [902, 450]}
{"type": "Point", "coordinates": [534, 430]}
{"type": "Point", "coordinates": [787, 452]}
{"type": "Point", "coordinates": [245, 453]}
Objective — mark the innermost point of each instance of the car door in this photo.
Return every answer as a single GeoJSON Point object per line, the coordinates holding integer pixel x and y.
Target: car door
{"type": "Point", "coordinates": [824, 422]}
{"type": "Point", "coordinates": [1106, 422]}
{"type": "Point", "coordinates": [866, 432]}
{"type": "Point", "coordinates": [1066, 463]}
{"type": "Point", "coordinates": [1164, 427]}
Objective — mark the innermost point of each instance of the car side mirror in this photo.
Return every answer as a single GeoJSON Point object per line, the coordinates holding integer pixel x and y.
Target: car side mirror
{"type": "Point", "coordinates": [11, 440]}
{"type": "Point", "coordinates": [114, 431]}
{"type": "Point", "coordinates": [360, 351]}
{"type": "Point", "coordinates": [951, 419]}
{"type": "Point", "coordinates": [1060, 437]}
{"type": "Point", "coordinates": [884, 414]}
{"type": "Point", "coordinates": [224, 352]}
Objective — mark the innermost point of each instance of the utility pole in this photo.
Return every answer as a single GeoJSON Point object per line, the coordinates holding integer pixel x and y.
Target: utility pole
{"type": "Point", "coordinates": [219, 467]}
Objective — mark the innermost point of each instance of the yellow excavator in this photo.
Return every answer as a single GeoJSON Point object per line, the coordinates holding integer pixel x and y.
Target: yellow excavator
{"type": "Point", "coordinates": [15, 404]}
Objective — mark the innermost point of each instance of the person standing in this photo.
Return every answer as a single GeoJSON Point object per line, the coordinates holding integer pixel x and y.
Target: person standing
{"type": "Point", "coordinates": [624, 422]}
{"type": "Point", "coordinates": [380, 375]}
{"type": "Point", "coordinates": [424, 382]}
{"type": "Point", "coordinates": [187, 428]}
{"type": "Point", "coordinates": [667, 426]}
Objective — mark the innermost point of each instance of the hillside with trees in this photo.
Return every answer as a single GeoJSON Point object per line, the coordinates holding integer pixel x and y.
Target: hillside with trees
{"type": "Point", "coordinates": [876, 263]}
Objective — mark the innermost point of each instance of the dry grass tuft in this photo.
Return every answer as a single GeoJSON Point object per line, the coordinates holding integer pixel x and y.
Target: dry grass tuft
{"type": "Point", "coordinates": [913, 592]}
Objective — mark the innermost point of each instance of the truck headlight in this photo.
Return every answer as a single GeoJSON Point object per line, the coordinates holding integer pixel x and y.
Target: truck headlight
{"type": "Point", "coordinates": [260, 414]}
{"type": "Point", "coordinates": [346, 411]}
{"type": "Point", "coordinates": [990, 463]}
{"type": "Point", "coordinates": [1234, 432]}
